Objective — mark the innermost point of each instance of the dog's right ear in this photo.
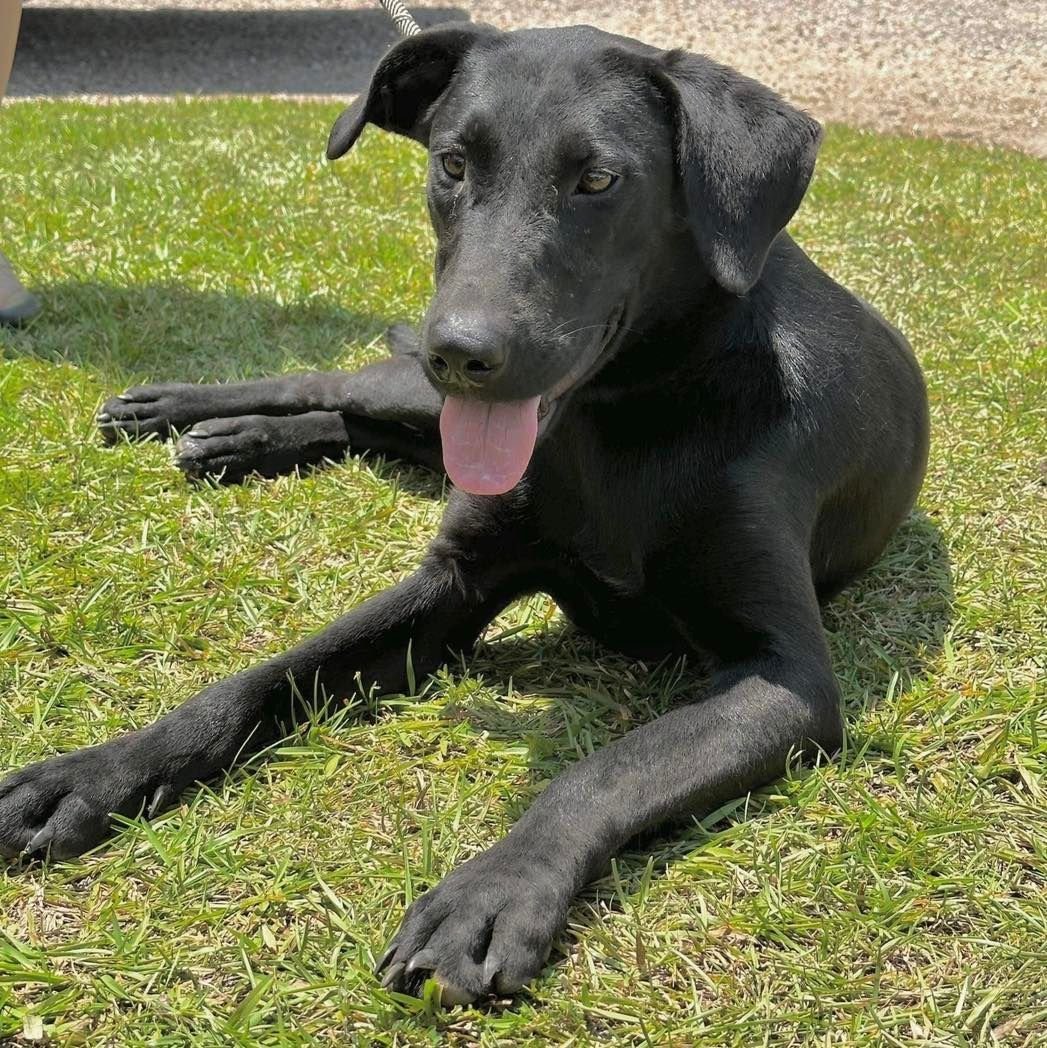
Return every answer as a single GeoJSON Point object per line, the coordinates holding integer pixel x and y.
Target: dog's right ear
{"type": "Point", "coordinates": [408, 80]}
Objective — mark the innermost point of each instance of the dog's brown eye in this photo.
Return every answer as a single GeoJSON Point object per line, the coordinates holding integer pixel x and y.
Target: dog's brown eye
{"type": "Point", "coordinates": [454, 165]}
{"type": "Point", "coordinates": [596, 180]}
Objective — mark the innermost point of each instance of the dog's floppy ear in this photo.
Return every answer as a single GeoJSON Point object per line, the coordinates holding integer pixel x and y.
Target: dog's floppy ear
{"type": "Point", "coordinates": [745, 158]}
{"type": "Point", "coordinates": [408, 80]}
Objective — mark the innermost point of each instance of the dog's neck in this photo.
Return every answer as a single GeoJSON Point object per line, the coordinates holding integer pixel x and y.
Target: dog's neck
{"type": "Point", "coordinates": [710, 351]}
{"type": "Point", "coordinates": [669, 343]}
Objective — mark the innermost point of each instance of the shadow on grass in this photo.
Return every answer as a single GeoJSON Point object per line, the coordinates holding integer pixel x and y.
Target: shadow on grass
{"type": "Point", "coordinates": [170, 332]}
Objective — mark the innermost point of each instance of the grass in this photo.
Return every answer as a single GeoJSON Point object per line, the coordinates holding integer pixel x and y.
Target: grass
{"type": "Point", "coordinates": [895, 897]}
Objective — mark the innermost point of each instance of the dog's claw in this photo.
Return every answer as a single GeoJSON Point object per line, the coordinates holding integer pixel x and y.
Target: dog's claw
{"type": "Point", "coordinates": [386, 957]}
{"type": "Point", "coordinates": [124, 397]}
{"type": "Point", "coordinates": [103, 416]}
{"type": "Point", "coordinates": [39, 841]}
{"type": "Point", "coordinates": [161, 796]}
{"type": "Point", "coordinates": [490, 970]}
{"type": "Point", "coordinates": [425, 959]}
{"type": "Point", "coordinates": [392, 975]}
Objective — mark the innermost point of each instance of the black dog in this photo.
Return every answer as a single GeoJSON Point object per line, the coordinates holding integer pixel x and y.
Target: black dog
{"type": "Point", "coordinates": [655, 408]}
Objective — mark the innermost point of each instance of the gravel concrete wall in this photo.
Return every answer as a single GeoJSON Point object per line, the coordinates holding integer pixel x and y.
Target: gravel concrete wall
{"type": "Point", "coordinates": [968, 69]}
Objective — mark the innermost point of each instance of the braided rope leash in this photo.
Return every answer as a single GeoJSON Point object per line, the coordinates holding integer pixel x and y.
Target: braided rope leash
{"type": "Point", "coordinates": [405, 24]}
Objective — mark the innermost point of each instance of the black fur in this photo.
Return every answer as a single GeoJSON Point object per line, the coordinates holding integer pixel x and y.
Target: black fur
{"type": "Point", "coordinates": [731, 436]}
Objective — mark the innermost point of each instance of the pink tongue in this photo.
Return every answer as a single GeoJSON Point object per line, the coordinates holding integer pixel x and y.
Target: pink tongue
{"type": "Point", "coordinates": [487, 446]}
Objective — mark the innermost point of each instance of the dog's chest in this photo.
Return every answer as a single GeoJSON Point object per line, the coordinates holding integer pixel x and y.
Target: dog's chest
{"type": "Point", "coordinates": [606, 508]}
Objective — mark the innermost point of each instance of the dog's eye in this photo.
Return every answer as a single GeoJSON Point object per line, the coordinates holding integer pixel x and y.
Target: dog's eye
{"type": "Point", "coordinates": [596, 180]}
{"type": "Point", "coordinates": [454, 165]}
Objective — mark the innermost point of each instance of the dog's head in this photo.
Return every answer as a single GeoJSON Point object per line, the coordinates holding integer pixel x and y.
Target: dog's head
{"type": "Point", "coordinates": [575, 177]}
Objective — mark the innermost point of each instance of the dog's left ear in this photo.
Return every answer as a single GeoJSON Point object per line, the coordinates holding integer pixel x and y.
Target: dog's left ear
{"type": "Point", "coordinates": [406, 83]}
{"type": "Point", "coordinates": [745, 158]}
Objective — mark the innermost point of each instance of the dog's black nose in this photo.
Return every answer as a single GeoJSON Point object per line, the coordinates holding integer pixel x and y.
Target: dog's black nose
{"type": "Point", "coordinates": [466, 350]}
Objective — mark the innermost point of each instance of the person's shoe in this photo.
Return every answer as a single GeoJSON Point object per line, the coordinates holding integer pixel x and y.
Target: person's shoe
{"type": "Point", "coordinates": [16, 304]}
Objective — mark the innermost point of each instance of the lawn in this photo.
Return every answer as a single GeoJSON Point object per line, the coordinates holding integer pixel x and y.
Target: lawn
{"type": "Point", "coordinates": [895, 897]}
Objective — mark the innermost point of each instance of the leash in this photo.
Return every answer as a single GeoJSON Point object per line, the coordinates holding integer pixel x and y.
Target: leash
{"type": "Point", "coordinates": [405, 24]}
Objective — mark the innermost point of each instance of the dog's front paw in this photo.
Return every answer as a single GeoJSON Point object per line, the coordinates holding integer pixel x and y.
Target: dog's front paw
{"type": "Point", "coordinates": [154, 411]}
{"type": "Point", "coordinates": [63, 805]}
{"type": "Point", "coordinates": [486, 928]}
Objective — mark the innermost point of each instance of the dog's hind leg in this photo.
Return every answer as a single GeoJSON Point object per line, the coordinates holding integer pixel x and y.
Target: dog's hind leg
{"type": "Point", "coordinates": [230, 449]}
{"type": "Point", "coordinates": [393, 390]}
{"type": "Point", "coordinates": [164, 409]}
{"type": "Point", "coordinates": [271, 426]}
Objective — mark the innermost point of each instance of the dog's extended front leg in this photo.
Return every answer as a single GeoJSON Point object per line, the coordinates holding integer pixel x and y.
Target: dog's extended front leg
{"type": "Point", "coordinates": [275, 425]}
{"type": "Point", "coordinates": [64, 803]}
{"type": "Point", "coordinates": [489, 925]}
